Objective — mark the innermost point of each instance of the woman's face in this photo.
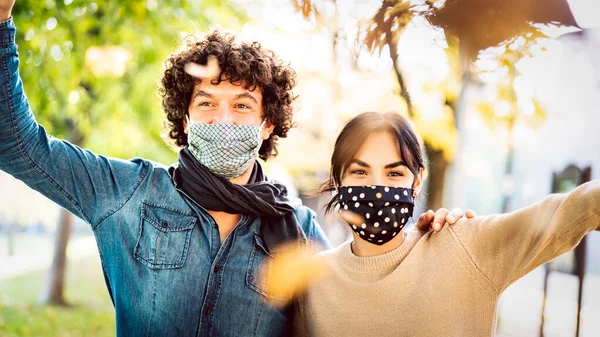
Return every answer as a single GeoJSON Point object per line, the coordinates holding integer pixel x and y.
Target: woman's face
{"type": "Point", "coordinates": [379, 162]}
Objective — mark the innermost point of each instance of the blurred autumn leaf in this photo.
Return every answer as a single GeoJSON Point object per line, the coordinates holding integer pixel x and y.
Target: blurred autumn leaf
{"type": "Point", "coordinates": [290, 272]}
{"type": "Point", "coordinates": [481, 24]}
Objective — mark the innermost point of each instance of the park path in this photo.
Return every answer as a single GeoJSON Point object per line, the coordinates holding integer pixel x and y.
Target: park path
{"type": "Point", "coordinates": [34, 252]}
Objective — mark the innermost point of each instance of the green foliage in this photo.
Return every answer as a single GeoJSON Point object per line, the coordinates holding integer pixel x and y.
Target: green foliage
{"type": "Point", "coordinates": [91, 315]}
{"type": "Point", "coordinates": [112, 115]}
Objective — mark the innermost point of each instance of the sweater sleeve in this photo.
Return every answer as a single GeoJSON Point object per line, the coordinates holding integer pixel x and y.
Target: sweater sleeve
{"type": "Point", "coordinates": [505, 247]}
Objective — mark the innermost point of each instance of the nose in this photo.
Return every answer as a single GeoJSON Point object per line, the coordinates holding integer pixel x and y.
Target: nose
{"type": "Point", "coordinates": [223, 115]}
{"type": "Point", "coordinates": [377, 179]}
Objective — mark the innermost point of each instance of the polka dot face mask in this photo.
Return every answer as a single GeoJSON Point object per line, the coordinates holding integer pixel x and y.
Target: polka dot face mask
{"type": "Point", "coordinates": [385, 210]}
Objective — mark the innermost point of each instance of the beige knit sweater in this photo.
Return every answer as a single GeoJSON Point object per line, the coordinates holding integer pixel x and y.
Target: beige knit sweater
{"type": "Point", "coordinates": [446, 283]}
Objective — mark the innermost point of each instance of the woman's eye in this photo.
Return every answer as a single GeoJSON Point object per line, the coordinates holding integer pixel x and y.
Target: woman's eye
{"type": "Point", "coordinates": [396, 174]}
{"type": "Point", "coordinates": [204, 104]}
{"type": "Point", "coordinates": [358, 172]}
{"type": "Point", "coordinates": [241, 106]}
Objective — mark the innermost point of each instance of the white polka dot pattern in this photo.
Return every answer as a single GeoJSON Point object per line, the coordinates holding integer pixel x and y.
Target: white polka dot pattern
{"type": "Point", "coordinates": [385, 210]}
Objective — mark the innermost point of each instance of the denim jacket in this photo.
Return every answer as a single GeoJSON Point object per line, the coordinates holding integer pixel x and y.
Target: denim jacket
{"type": "Point", "coordinates": [166, 270]}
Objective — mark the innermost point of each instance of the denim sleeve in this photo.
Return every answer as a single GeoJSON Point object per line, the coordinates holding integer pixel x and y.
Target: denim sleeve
{"type": "Point", "coordinates": [314, 233]}
{"type": "Point", "coordinates": [88, 185]}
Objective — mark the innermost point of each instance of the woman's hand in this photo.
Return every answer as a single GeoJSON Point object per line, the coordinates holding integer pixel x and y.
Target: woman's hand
{"type": "Point", "coordinates": [427, 221]}
{"type": "Point", "coordinates": [436, 221]}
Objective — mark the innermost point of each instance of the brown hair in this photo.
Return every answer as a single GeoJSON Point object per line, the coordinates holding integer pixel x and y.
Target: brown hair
{"type": "Point", "coordinates": [245, 64]}
{"type": "Point", "coordinates": [352, 137]}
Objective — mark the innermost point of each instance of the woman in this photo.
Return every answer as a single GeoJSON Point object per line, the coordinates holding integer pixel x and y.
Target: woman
{"type": "Point", "coordinates": [393, 282]}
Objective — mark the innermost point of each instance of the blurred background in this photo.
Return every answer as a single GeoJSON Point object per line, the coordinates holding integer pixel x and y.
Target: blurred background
{"type": "Point", "coordinates": [504, 94]}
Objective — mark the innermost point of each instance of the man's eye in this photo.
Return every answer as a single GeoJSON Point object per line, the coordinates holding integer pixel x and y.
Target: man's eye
{"type": "Point", "coordinates": [241, 106]}
{"type": "Point", "coordinates": [205, 104]}
{"type": "Point", "coordinates": [396, 174]}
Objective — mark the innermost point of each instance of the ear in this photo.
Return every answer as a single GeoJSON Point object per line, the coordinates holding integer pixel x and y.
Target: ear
{"type": "Point", "coordinates": [267, 130]}
{"type": "Point", "coordinates": [418, 182]}
{"type": "Point", "coordinates": [332, 181]}
{"type": "Point", "coordinates": [185, 124]}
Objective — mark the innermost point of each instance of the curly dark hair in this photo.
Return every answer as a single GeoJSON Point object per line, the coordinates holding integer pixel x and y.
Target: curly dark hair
{"type": "Point", "coordinates": [247, 64]}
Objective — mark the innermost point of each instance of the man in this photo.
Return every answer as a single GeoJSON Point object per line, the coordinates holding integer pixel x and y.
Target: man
{"type": "Point", "coordinates": [180, 246]}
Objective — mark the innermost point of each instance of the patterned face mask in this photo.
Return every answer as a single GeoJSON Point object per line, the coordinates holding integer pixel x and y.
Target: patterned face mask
{"type": "Point", "coordinates": [385, 210]}
{"type": "Point", "coordinates": [227, 150]}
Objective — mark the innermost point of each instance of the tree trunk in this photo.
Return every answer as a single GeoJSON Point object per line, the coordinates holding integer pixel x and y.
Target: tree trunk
{"type": "Point", "coordinates": [507, 188]}
{"type": "Point", "coordinates": [437, 174]}
{"type": "Point", "coordinates": [53, 293]}
{"type": "Point", "coordinates": [437, 163]}
{"type": "Point", "coordinates": [393, 47]}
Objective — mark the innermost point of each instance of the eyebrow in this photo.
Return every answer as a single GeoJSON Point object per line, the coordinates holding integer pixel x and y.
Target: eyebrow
{"type": "Point", "coordinates": [388, 166]}
{"type": "Point", "coordinates": [396, 164]}
{"type": "Point", "coordinates": [246, 95]}
{"type": "Point", "coordinates": [202, 93]}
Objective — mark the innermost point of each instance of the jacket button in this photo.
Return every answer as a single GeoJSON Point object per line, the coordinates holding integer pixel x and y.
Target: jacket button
{"type": "Point", "coordinates": [208, 311]}
{"type": "Point", "coordinates": [217, 268]}
{"type": "Point", "coordinates": [165, 224]}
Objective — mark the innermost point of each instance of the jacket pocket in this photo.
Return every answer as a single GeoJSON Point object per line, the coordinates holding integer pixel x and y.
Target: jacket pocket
{"type": "Point", "coordinates": [165, 236]}
{"type": "Point", "coordinates": [255, 279]}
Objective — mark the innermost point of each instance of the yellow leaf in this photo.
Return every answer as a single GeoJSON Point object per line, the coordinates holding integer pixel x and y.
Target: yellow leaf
{"type": "Point", "coordinates": [290, 272]}
{"type": "Point", "coordinates": [439, 132]}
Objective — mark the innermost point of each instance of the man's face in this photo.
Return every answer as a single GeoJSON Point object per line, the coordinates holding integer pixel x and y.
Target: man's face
{"type": "Point", "coordinates": [226, 103]}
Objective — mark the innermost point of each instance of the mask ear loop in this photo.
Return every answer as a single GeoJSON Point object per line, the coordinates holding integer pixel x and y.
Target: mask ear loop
{"type": "Point", "coordinates": [260, 128]}
{"type": "Point", "coordinates": [336, 187]}
{"type": "Point", "coordinates": [413, 187]}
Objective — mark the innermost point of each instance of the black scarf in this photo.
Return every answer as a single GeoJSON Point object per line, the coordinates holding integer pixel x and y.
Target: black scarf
{"type": "Point", "coordinates": [260, 197]}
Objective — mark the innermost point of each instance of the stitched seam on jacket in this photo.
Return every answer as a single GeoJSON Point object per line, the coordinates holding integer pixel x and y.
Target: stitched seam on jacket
{"type": "Point", "coordinates": [125, 200]}
{"type": "Point", "coordinates": [19, 141]}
